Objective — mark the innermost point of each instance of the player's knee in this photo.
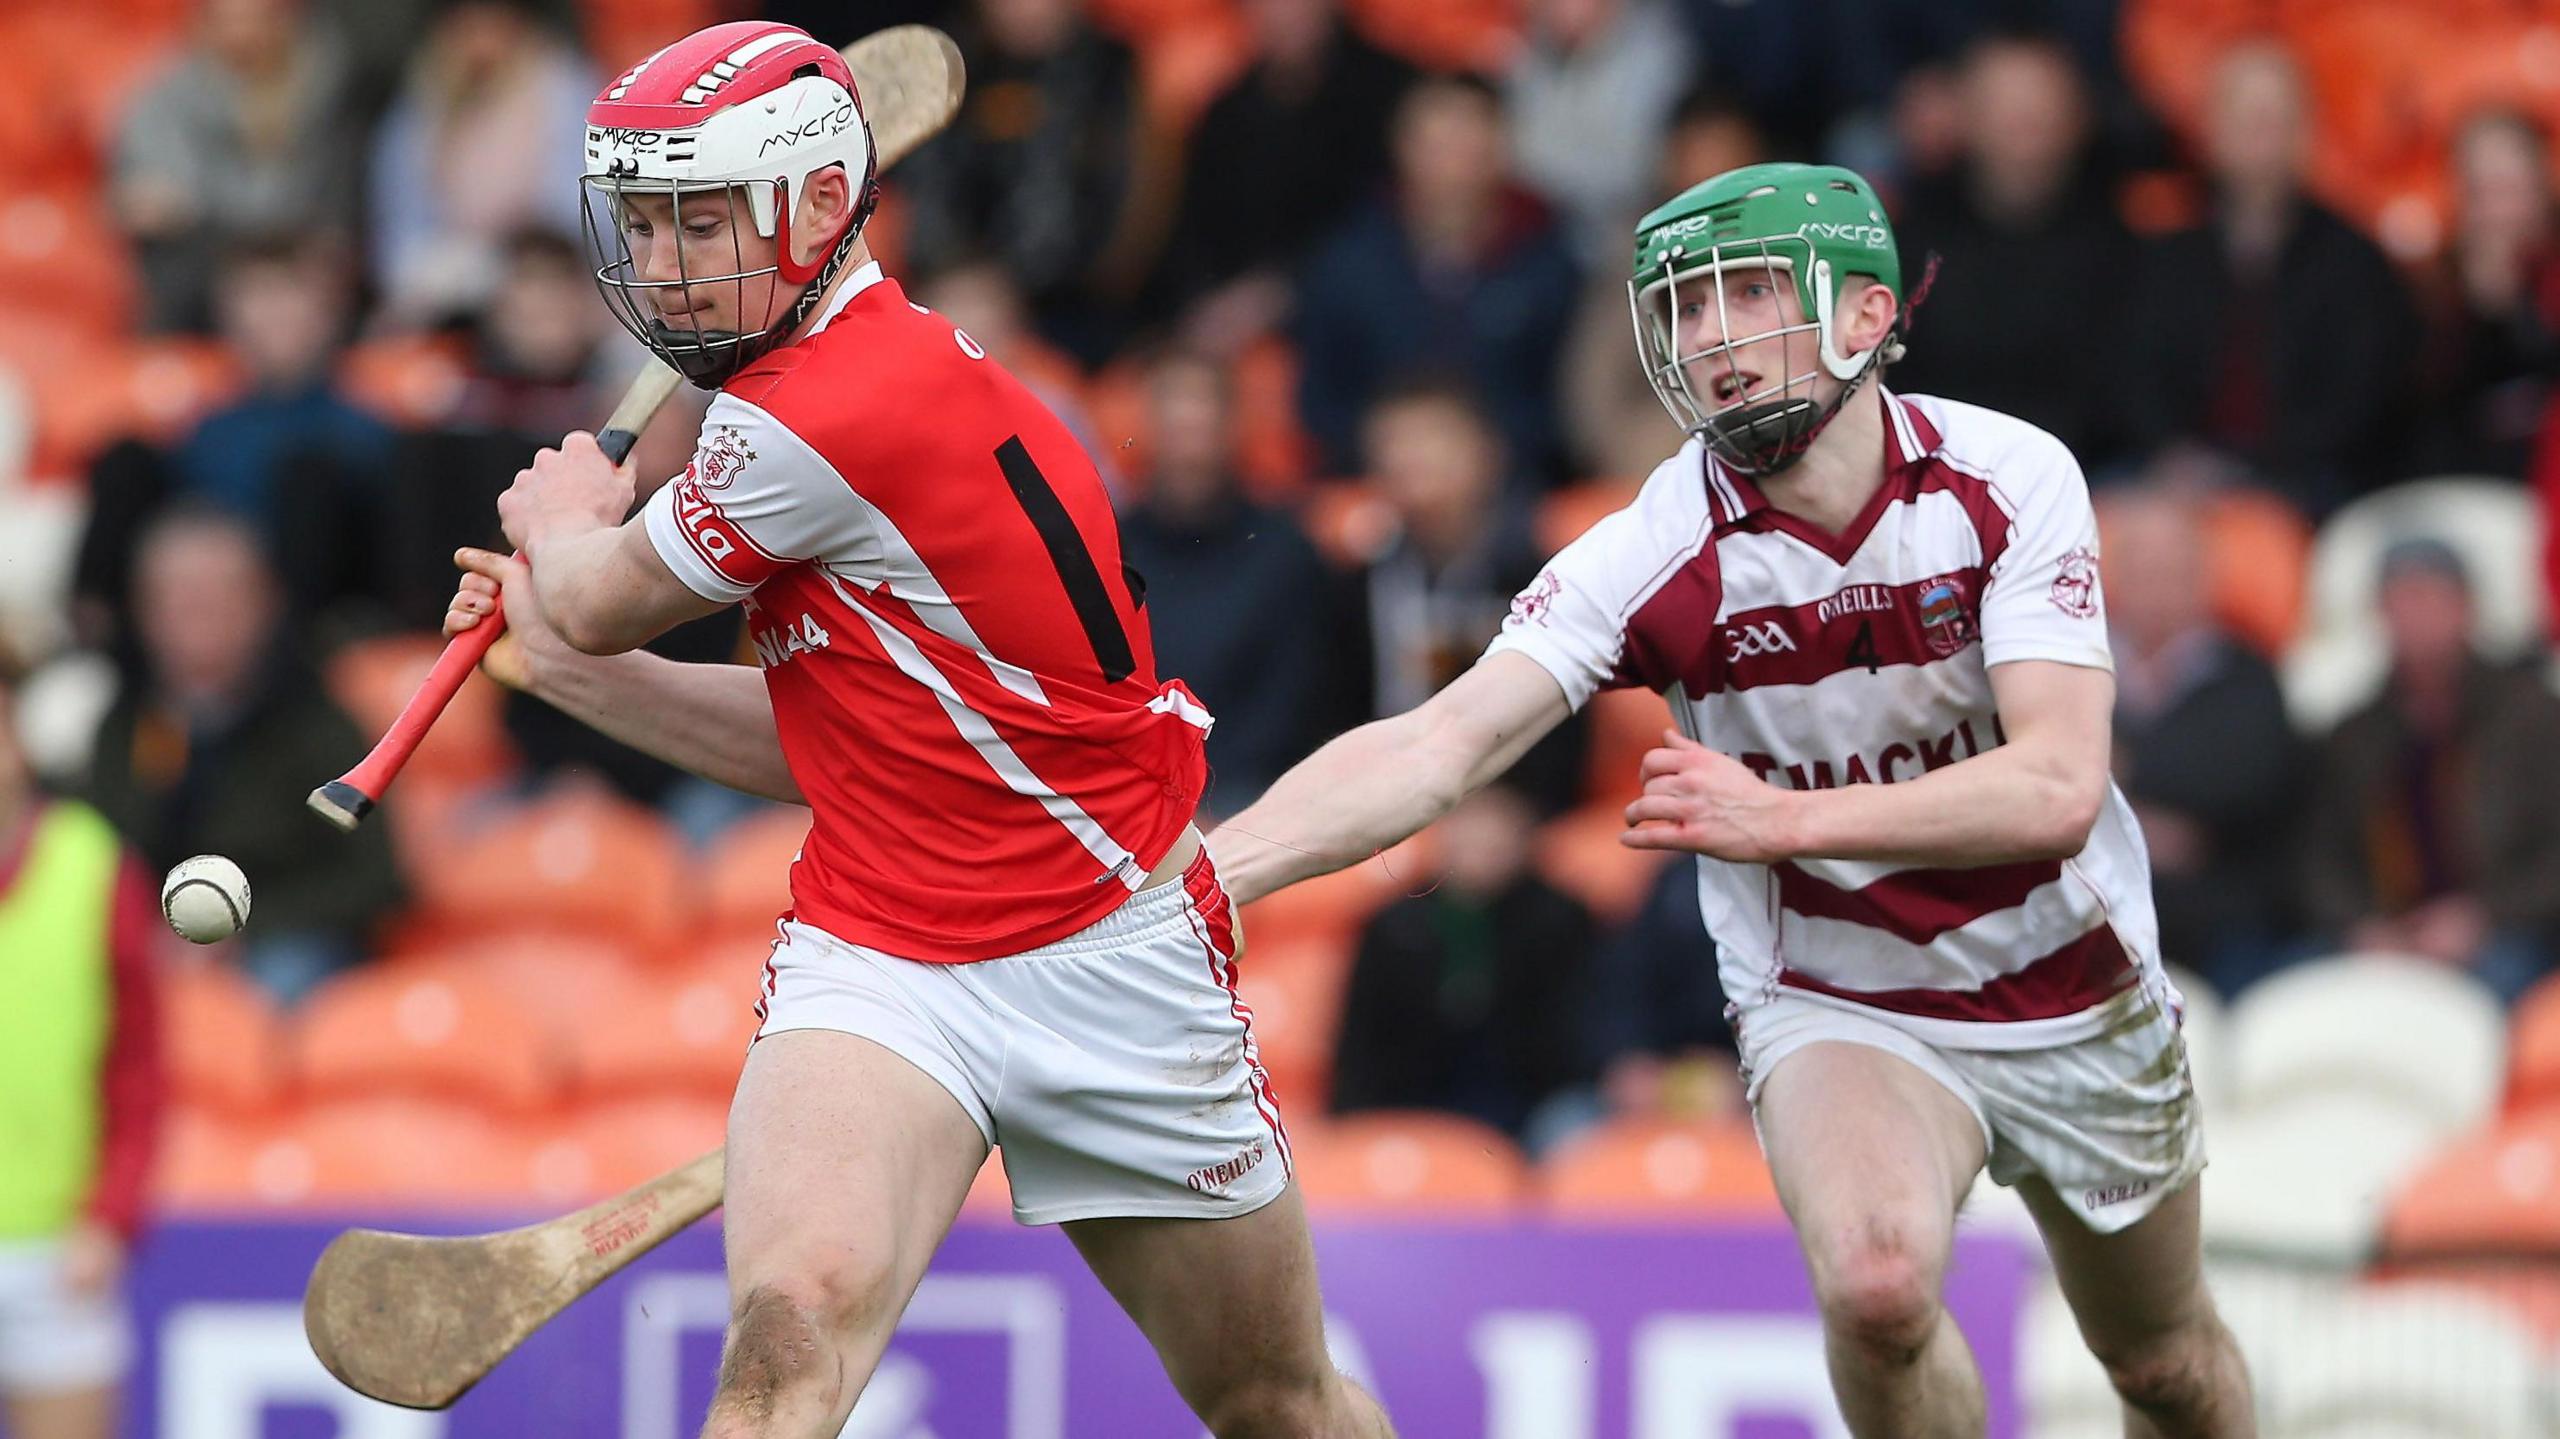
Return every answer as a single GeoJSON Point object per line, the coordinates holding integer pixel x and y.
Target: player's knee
{"type": "Point", "coordinates": [1879, 1295]}
{"type": "Point", "coordinates": [786, 1337]}
{"type": "Point", "coordinates": [2175, 1371]}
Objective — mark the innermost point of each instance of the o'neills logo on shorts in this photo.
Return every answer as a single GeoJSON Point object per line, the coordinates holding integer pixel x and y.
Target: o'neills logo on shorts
{"type": "Point", "coordinates": [2114, 1194]}
{"type": "Point", "coordinates": [1219, 1176]}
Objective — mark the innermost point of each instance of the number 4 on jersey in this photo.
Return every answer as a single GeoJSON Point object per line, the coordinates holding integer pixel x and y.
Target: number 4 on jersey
{"type": "Point", "coordinates": [1862, 648]}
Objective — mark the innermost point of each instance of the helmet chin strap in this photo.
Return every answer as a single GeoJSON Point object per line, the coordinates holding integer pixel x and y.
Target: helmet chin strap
{"type": "Point", "coordinates": [709, 358]}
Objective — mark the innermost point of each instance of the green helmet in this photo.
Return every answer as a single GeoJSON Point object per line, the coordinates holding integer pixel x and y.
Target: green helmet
{"type": "Point", "coordinates": [1817, 223]}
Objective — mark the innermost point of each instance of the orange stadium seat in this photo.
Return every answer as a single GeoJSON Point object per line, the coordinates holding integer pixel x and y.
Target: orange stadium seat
{"type": "Point", "coordinates": [1409, 1163]}
{"type": "Point", "coordinates": [371, 679]}
{"type": "Point", "coordinates": [683, 1035]}
{"type": "Point", "coordinates": [1641, 1167]}
{"type": "Point", "coordinates": [1565, 514]}
{"type": "Point", "coordinates": [213, 1161]}
{"type": "Point", "coordinates": [576, 861]}
{"type": "Point", "coordinates": [1272, 448]}
{"type": "Point", "coordinates": [746, 881]}
{"type": "Point", "coordinates": [621, 32]}
{"type": "Point", "coordinates": [1443, 34]}
{"type": "Point", "coordinates": [2259, 555]}
{"type": "Point", "coordinates": [2496, 1193]}
{"type": "Point", "coordinates": [1580, 854]}
{"type": "Point", "coordinates": [398, 1149]}
{"type": "Point", "coordinates": [2533, 1049]}
{"type": "Point", "coordinates": [605, 1148]}
{"type": "Point", "coordinates": [70, 258]}
{"type": "Point", "coordinates": [221, 1038]}
{"type": "Point", "coordinates": [88, 392]}
{"type": "Point", "coordinates": [443, 1031]}
{"type": "Point", "coordinates": [1348, 521]}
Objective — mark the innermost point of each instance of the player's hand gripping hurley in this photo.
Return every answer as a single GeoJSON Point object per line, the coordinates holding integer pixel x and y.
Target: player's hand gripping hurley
{"type": "Point", "coordinates": [910, 79]}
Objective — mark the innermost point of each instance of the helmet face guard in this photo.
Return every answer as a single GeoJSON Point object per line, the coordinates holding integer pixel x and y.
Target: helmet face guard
{"type": "Point", "coordinates": [1805, 228]}
{"type": "Point", "coordinates": [707, 357]}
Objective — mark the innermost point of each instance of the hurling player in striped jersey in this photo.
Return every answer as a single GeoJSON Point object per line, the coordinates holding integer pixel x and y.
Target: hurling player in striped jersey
{"type": "Point", "coordinates": [1877, 621]}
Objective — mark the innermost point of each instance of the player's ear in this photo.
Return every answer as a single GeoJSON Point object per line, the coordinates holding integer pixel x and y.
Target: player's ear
{"type": "Point", "coordinates": [1869, 309]}
{"type": "Point", "coordinates": [824, 207]}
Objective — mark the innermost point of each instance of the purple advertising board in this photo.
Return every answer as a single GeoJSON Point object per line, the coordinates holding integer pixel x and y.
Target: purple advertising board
{"type": "Point", "coordinates": [1515, 1330]}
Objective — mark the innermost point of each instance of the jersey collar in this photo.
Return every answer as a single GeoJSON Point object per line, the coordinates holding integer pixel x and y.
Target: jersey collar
{"type": "Point", "coordinates": [1733, 499]}
{"type": "Point", "coordinates": [854, 284]}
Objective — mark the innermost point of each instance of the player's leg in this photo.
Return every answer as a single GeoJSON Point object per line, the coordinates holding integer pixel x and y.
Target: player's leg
{"type": "Point", "coordinates": [1872, 1155]}
{"type": "Point", "coordinates": [1254, 1368]}
{"type": "Point", "coordinates": [63, 1414]}
{"type": "Point", "coordinates": [846, 1165]}
{"type": "Point", "coordinates": [2140, 1299]}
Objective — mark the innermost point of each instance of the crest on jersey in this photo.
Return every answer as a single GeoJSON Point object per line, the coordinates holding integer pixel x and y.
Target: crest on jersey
{"type": "Point", "coordinates": [1944, 624]}
{"type": "Point", "coordinates": [723, 455]}
{"type": "Point", "coordinates": [2075, 584]}
{"type": "Point", "coordinates": [1533, 603]}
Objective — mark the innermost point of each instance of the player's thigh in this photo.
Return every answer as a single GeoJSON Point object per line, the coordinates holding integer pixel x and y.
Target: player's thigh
{"type": "Point", "coordinates": [1230, 1305]}
{"type": "Point", "coordinates": [1872, 1154]}
{"type": "Point", "coordinates": [2134, 1285]}
{"type": "Point", "coordinates": [846, 1164]}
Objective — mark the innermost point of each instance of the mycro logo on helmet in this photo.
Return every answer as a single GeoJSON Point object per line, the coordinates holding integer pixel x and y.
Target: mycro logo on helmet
{"type": "Point", "coordinates": [1874, 237]}
{"type": "Point", "coordinates": [832, 122]}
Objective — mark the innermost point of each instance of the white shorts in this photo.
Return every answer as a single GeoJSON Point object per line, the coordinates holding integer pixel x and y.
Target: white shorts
{"type": "Point", "coordinates": [1115, 1067]}
{"type": "Point", "coordinates": [2110, 1122]}
{"type": "Point", "coordinates": [50, 1340]}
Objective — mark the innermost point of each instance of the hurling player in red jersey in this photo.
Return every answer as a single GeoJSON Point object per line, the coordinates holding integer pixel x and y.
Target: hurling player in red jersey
{"type": "Point", "coordinates": [1003, 927]}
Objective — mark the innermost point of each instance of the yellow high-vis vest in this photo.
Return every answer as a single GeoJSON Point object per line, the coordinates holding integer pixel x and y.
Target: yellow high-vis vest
{"type": "Point", "coordinates": [57, 997]}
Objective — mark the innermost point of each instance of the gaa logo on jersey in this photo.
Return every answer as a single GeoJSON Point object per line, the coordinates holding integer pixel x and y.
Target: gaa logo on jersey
{"type": "Point", "coordinates": [723, 456]}
{"type": "Point", "coordinates": [1944, 624]}
{"type": "Point", "coordinates": [2075, 583]}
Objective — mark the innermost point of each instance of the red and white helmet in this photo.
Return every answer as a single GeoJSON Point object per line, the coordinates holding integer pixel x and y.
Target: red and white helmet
{"type": "Point", "coordinates": [749, 106]}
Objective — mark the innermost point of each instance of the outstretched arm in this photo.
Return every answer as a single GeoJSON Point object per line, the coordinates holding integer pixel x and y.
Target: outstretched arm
{"type": "Point", "coordinates": [713, 720]}
{"type": "Point", "coordinates": [2034, 797]}
{"type": "Point", "coordinates": [1373, 786]}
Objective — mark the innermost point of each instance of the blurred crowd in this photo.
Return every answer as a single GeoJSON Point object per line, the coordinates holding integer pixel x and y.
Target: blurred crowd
{"type": "Point", "coordinates": [1335, 291]}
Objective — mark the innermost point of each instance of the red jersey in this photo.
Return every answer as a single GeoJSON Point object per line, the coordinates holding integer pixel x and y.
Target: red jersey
{"type": "Point", "coordinates": [960, 666]}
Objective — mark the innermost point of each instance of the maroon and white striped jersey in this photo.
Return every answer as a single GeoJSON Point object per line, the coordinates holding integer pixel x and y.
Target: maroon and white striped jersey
{"type": "Point", "coordinates": [1864, 658]}
{"type": "Point", "coordinates": [961, 672]}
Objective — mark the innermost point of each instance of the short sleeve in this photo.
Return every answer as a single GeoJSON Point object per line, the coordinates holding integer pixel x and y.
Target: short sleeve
{"type": "Point", "coordinates": [1573, 618]}
{"type": "Point", "coordinates": [2043, 600]}
{"type": "Point", "coordinates": [754, 500]}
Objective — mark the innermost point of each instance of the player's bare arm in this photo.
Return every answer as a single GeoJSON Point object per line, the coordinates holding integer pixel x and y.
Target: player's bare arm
{"type": "Point", "coordinates": [597, 580]}
{"type": "Point", "coordinates": [1374, 786]}
{"type": "Point", "coordinates": [2034, 797]}
{"type": "Point", "coordinates": [712, 720]}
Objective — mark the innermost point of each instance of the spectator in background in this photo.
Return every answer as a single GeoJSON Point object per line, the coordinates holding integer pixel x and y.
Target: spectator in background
{"type": "Point", "coordinates": [2032, 256]}
{"type": "Point", "coordinates": [80, 1094]}
{"type": "Point", "coordinates": [249, 134]}
{"type": "Point", "coordinates": [1465, 999]}
{"type": "Point", "coordinates": [2204, 750]}
{"type": "Point", "coordinates": [1436, 593]}
{"type": "Point", "coordinates": [293, 456]}
{"type": "Point", "coordinates": [1654, 1022]}
{"type": "Point", "coordinates": [1458, 271]}
{"type": "Point", "coordinates": [2496, 315]}
{"type": "Point", "coordinates": [1050, 169]}
{"type": "Point", "coordinates": [1240, 602]}
{"type": "Point", "coordinates": [211, 750]}
{"type": "Point", "coordinates": [1277, 161]}
{"type": "Point", "coordinates": [1590, 95]}
{"type": "Point", "coordinates": [481, 144]}
{"type": "Point", "coordinates": [542, 363]}
{"type": "Point", "coordinates": [980, 298]}
{"type": "Point", "coordinates": [2273, 330]}
{"type": "Point", "coordinates": [2433, 829]}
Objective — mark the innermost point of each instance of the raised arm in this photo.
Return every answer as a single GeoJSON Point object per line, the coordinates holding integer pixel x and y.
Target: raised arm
{"type": "Point", "coordinates": [1373, 786]}
{"type": "Point", "coordinates": [598, 579]}
{"type": "Point", "coordinates": [2034, 797]}
{"type": "Point", "coordinates": [713, 720]}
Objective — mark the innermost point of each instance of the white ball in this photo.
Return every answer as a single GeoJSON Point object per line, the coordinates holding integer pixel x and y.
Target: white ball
{"type": "Point", "coordinates": [205, 898]}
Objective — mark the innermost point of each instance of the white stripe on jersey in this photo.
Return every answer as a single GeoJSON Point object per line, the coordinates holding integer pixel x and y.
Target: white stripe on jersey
{"type": "Point", "coordinates": [1856, 956]}
{"type": "Point", "coordinates": [981, 734]}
